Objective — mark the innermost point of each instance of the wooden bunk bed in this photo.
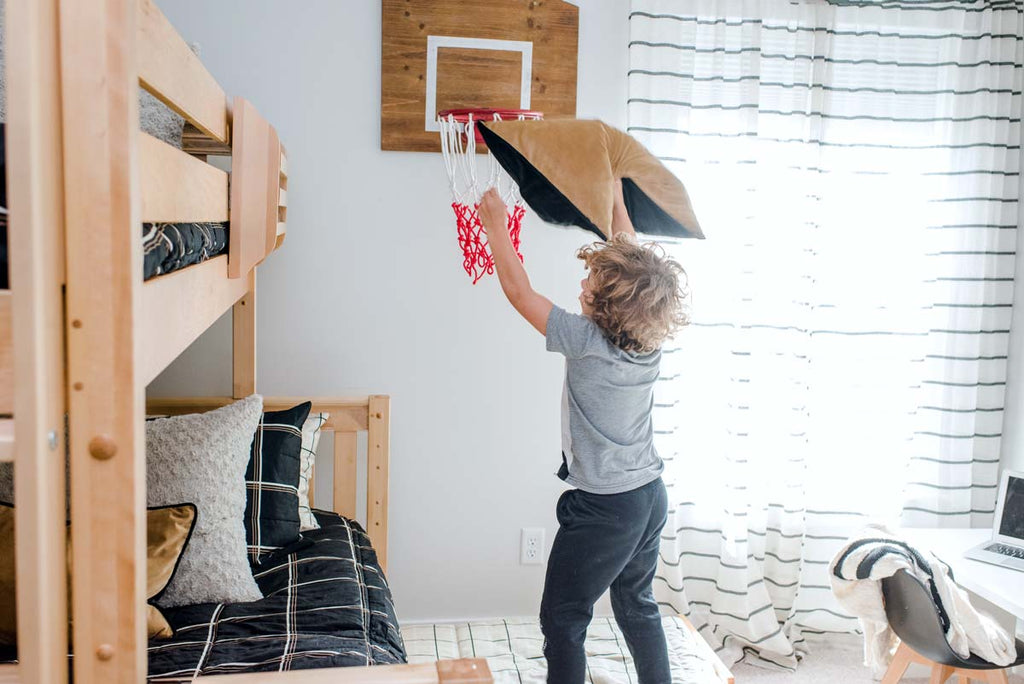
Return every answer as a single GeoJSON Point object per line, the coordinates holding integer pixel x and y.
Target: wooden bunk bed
{"type": "Point", "coordinates": [81, 333]}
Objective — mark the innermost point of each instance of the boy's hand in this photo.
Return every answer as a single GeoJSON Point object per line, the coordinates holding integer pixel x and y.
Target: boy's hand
{"type": "Point", "coordinates": [493, 212]}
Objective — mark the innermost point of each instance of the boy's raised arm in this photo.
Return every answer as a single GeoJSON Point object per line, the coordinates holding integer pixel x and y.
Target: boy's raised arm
{"type": "Point", "coordinates": [534, 307]}
{"type": "Point", "coordinates": [621, 223]}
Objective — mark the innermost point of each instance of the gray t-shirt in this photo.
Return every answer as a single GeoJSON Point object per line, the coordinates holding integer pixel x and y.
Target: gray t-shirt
{"type": "Point", "coordinates": [607, 437]}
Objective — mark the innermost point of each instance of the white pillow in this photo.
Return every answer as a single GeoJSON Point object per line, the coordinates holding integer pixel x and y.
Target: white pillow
{"type": "Point", "coordinates": [201, 459]}
{"type": "Point", "coordinates": [310, 440]}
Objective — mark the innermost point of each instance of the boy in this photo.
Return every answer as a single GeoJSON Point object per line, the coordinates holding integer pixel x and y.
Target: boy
{"type": "Point", "coordinates": [610, 524]}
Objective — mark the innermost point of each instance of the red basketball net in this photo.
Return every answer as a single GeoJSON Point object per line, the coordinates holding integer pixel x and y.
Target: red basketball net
{"type": "Point", "coordinates": [458, 147]}
{"type": "Point", "coordinates": [477, 259]}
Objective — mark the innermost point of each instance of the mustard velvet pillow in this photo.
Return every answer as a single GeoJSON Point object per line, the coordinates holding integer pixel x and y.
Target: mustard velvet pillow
{"type": "Point", "coordinates": [566, 169]}
{"type": "Point", "coordinates": [168, 529]}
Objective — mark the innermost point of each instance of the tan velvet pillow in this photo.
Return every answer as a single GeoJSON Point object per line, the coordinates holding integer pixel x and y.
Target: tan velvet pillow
{"type": "Point", "coordinates": [566, 168]}
{"type": "Point", "coordinates": [168, 529]}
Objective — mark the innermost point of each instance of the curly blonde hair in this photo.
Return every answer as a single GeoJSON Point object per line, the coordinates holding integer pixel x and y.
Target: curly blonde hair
{"type": "Point", "coordinates": [637, 292]}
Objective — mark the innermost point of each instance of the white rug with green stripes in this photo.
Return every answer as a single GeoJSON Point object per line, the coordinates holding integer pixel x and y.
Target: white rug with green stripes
{"type": "Point", "coordinates": [512, 648]}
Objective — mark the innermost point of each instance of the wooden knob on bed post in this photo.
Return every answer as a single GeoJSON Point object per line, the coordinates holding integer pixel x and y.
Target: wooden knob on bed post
{"type": "Point", "coordinates": [105, 652]}
{"type": "Point", "coordinates": [102, 447]}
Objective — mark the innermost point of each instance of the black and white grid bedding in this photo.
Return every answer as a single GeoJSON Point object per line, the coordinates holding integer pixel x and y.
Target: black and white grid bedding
{"type": "Point", "coordinates": [326, 604]}
{"type": "Point", "coordinates": [168, 247]}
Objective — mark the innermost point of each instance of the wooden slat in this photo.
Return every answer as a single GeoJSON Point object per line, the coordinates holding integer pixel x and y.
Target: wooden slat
{"type": "Point", "coordinates": [6, 355]}
{"type": "Point", "coordinates": [194, 141]}
{"type": "Point", "coordinates": [462, 671]}
{"type": "Point", "coordinates": [35, 192]}
{"type": "Point", "coordinates": [721, 671]}
{"type": "Point", "coordinates": [9, 674]}
{"type": "Point", "coordinates": [345, 474]}
{"type": "Point", "coordinates": [347, 414]}
{"type": "Point", "coordinates": [282, 201]}
{"type": "Point", "coordinates": [6, 439]}
{"type": "Point", "coordinates": [243, 345]}
{"type": "Point", "coordinates": [255, 157]}
{"type": "Point", "coordinates": [103, 252]}
{"type": "Point", "coordinates": [377, 464]}
{"type": "Point", "coordinates": [178, 307]}
{"type": "Point", "coordinates": [172, 72]}
{"type": "Point", "coordinates": [177, 187]}
{"type": "Point", "coordinates": [274, 191]}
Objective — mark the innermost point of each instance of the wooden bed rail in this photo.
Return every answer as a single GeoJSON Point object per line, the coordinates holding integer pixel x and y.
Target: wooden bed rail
{"type": "Point", "coordinates": [6, 355]}
{"type": "Point", "coordinates": [348, 416]}
{"type": "Point", "coordinates": [463, 671]}
{"type": "Point", "coordinates": [255, 189]}
{"type": "Point", "coordinates": [174, 75]}
{"type": "Point", "coordinates": [178, 187]}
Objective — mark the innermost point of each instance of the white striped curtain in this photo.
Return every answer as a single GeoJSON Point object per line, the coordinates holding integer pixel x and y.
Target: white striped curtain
{"type": "Point", "coordinates": [855, 166]}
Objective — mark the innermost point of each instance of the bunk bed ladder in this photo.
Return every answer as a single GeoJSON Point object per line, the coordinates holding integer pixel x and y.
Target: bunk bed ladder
{"type": "Point", "coordinates": [35, 327]}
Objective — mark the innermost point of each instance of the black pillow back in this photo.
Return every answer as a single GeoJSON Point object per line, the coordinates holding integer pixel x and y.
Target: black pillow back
{"type": "Point", "coordinates": [272, 481]}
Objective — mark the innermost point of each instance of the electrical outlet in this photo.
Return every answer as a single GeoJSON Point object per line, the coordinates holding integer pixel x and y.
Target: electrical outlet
{"type": "Point", "coordinates": [531, 546]}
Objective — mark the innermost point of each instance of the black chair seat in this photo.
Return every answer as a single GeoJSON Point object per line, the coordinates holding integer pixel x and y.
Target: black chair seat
{"type": "Point", "coordinates": [915, 620]}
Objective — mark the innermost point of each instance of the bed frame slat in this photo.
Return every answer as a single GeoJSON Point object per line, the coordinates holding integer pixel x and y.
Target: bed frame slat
{"type": "Point", "coordinates": [171, 72]}
{"type": "Point", "coordinates": [36, 244]}
{"type": "Point", "coordinates": [243, 345]}
{"type": "Point", "coordinates": [255, 178]}
{"type": "Point", "coordinates": [103, 248]}
{"type": "Point", "coordinates": [377, 451]}
{"type": "Point", "coordinates": [345, 473]}
{"type": "Point", "coordinates": [177, 307]}
{"type": "Point", "coordinates": [177, 187]}
{"type": "Point", "coordinates": [6, 355]}
{"type": "Point", "coordinates": [9, 674]}
{"type": "Point", "coordinates": [462, 671]}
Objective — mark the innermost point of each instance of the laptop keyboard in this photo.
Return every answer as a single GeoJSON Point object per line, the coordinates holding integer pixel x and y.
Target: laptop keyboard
{"type": "Point", "coordinates": [1003, 549]}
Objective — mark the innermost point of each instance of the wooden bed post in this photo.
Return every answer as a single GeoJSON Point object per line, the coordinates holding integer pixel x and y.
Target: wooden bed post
{"type": "Point", "coordinates": [36, 194]}
{"type": "Point", "coordinates": [243, 344]}
{"type": "Point", "coordinates": [99, 84]}
{"type": "Point", "coordinates": [378, 446]}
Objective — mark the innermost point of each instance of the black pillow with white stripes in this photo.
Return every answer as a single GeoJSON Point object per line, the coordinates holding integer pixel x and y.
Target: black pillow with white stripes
{"type": "Point", "coordinates": [272, 482]}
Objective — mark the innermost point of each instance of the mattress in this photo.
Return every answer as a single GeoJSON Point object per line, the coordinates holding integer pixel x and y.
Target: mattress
{"type": "Point", "coordinates": [513, 649]}
{"type": "Point", "coordinates": [326, 604]}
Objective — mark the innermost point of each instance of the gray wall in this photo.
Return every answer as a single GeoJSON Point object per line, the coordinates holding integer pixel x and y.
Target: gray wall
{"type": "Point", "coordinates": [367, 295]}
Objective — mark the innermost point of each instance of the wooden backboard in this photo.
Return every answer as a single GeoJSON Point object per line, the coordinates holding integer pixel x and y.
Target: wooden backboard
{"type": "Point", "coordinates": [448, 54]}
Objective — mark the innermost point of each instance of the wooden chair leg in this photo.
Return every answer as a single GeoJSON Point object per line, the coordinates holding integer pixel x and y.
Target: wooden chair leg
{"type": "Point", "coordinates": [940, 673]}
{"type": "Point", "coordinates": [900, 662]}
{"type": "Point", "coordinates": [996, 676]}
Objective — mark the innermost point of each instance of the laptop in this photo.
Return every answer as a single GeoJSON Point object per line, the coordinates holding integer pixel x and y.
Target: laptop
{"type": "Point", "coordinates": [1006, 547]}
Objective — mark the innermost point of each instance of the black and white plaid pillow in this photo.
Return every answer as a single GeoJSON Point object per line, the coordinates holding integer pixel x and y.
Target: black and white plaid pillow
{"type": "Point", "coordinates": [272, 481]}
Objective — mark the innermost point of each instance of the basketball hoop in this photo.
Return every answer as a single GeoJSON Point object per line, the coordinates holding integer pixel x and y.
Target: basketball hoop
{"type": "Point", "coordinates": [459, 140]}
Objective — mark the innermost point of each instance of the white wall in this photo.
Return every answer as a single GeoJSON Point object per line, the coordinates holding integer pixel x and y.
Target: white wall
{"type": "Point", "coordinates": [367, 295]}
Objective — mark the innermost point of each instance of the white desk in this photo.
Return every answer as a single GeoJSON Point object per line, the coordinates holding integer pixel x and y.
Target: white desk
{"type": "Point", "coordinates": [1001, 587]}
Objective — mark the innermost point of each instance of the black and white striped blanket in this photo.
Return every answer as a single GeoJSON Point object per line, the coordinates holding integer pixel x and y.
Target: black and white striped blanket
{"type": "Point", "coordinates": [326, 604]}
{"type": "Point", "coordinates": [856, 574]}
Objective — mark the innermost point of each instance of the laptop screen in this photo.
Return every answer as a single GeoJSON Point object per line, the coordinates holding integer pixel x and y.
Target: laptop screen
{"type": "Point", "coordinates": [1012, 522]}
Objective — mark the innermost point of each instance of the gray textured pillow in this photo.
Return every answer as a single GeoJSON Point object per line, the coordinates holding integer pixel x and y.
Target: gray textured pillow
{"type": "Point", "coordinates": [201, 458]}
